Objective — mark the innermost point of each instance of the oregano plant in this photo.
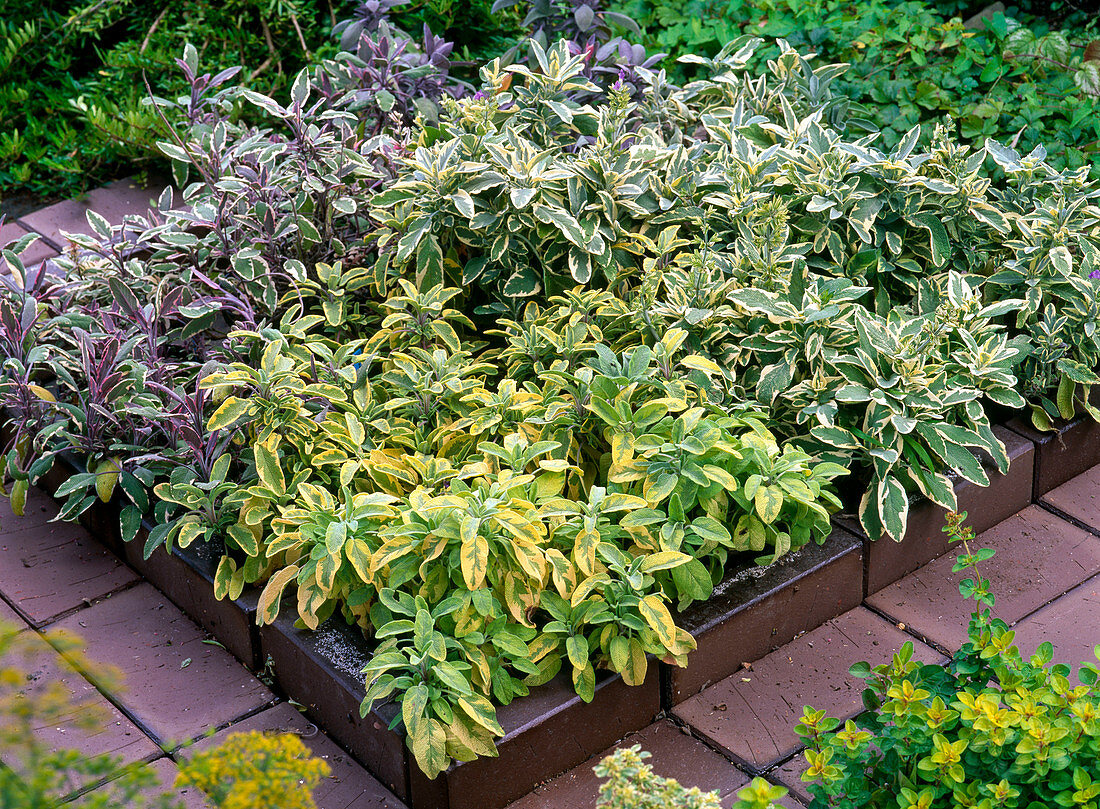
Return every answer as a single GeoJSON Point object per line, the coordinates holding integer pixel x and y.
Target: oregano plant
{"type": "Point", "coordinates": [989, 728]}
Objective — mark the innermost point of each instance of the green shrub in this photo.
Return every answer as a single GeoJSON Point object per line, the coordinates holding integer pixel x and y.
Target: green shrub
{"type": "Point", "coordinates": [582, 351]}
{"type": "Point", "coordinates": [499, 529]}
{"type": "Point", "coordinates": [478, 31]}
{"type": "Point", "coordinates": [848, 289]}
{"type": "Point", "coordinates": [988, 729]}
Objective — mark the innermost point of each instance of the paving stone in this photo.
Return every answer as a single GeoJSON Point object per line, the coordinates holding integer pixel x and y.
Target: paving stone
{"type": "Point", "coordinates": [176, 685]}
{"type": "Point", "coordinates": [349, 786]}
{"type": "Point", "coordinates": [165, 771]}
{"type": "Point", "coordinates": [752, 714]}
{"type": "Point", "coordinates": [112, 202]}
{"type": "Point", "coordinates": [789, 775]}
{"type": "Point", "coordinates": [124, 197]}
{"type": "Point", "coordinates": [9, 232]}
{"type": "Point", "coordinates": [68, 215]}
{"type": "Point", "coordinates": [1079, 498]}
{"type": "Point", "coordinates": [186, 577]}
{"type": "Point", "coordinates": [674, 755]}
{"type": "Point", "coordinates": [8, 615]}
{"type": "Point", "coordinates": [1071, 624]}
{"type": "Point", "coordinates": [39, 509]}
{"type": "Point", "coordinates": [113, 733]}
{"type": "Point", "coordinates": [1039, 557]}
{"type": "Point", "coordinates": [36, 253]}
{"type": "Point", "coordinates": [52, 568]}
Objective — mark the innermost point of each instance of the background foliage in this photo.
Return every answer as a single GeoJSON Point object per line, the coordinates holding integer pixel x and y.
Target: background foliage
{"type": "Point", "coordinates": [1027, 79]}
{"type": "Point", "coordinates": [72, 87]}
{"type": "Point", "coordinates": [71, 111]}
{"type": "Point", "coordinates": [72, 72]}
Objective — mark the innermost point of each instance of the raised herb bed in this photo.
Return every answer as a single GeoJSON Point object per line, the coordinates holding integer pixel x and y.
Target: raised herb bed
{"type": "Point", "coordinates": [753, 610]}
{"type": "Point", "coordinates": [551, 730]}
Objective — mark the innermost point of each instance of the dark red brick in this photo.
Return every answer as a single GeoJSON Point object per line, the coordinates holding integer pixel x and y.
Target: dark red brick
{"type": "Point", "coordinates": [100, 519]}
{"type": "Point", "coordinates": [546, 733]}
{"type": "Point", "coordinates": [1006, 494]}
{"type": "Point", "coordinates": [1039, 557]}
{"type": "Point", "coordinates": [1071, 624]}
{"type": "Point", "coordinates": [1078, 498]}
{"type": "Point", "coordinates": [752, 715]}
{"type": "Point", "coordinates": [38, 510]}
{"type": "Point", "coordinates": [177, 686]}
{"type": "Point", "coordinates": [1062, 454]}
{"type": "Point", "coordinates": [790, 801]}
{"type": "Point", "coordinates": [49, 569]}
{"type": "Point", "coordinates": [349, 785]}
{"type": "Point", "coordinates": [8, 615]}
{"type": "Point", "coordinates": [754, 610]}
{"type": "Point", "coordinates": [112, 202]}
{"type": "Point", "coordinates": [113, 732]}
{"type": "Point", "coordinates": [186, 576]}
{"type": "Point", "coordinates": [675, 754]}
{"type": "Point", "coordinates": [165, 771]}
{"type": "Point", "coordinates": [887, 560]}
{"type": "Point", "coordinates": [35, 254]}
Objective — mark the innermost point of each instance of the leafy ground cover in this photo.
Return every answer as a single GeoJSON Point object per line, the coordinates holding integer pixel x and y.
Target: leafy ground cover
{"type": "Point", "coordinates": [1029, 78]}
{"type": "Point", "coordinates": [505, 377]}
{"type": "Point", "coordinates": [72, 78]}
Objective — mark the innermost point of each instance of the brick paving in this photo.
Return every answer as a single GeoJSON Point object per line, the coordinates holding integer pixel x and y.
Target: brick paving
{"type": "Point", "coordinates": [49, 570]}
{"type": "Point", "coordinates": [165, 770]}
{"type": "Point", "coordinates": [751, 715]}
{"type": "Point", "coordinates": [35, 254]}
{"type": "Point", "coordinates": [178, 684]}
{"type": "Point", "coordinates": [1046, 575]}
{"type": "Point", "coordinates": [1039, 557]}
